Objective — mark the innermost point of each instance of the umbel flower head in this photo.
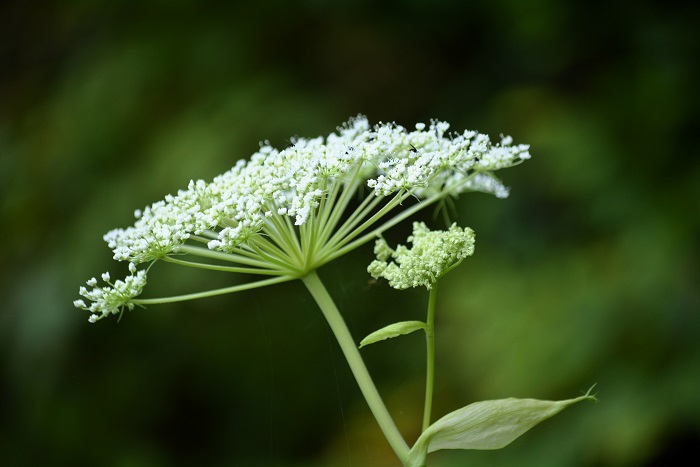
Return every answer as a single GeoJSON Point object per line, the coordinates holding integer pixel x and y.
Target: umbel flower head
{"type": "Point", "coordinates": [113, 298]}
{"type": "Point", "coordinates": [433, 254]}
{"type": "Point", "coordinates": [284, 213]}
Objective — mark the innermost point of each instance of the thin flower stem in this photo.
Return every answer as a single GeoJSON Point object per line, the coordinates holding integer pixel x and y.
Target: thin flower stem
{"type": "Point", "coordinates": [334, 215]}
{"type": "Point", "coordinates": [278, 235]}
{"type": "Point", "coordinates": [340, 208]}
{"type": "Point", "coordinates": [213, 293]}
{"type": "Point", "coordinates": [342, 237]}
{"type": "Point", "coordinates": [324, 212]}
{"type": "Point", "coordinates": [197, 238]}
{"type": "Point", "coordinates": [293, 235]}
{"type": "Point", "coordinates": [217, 267]}
{"type": "Point", "coordinates": [205, 236]}
{"type": "Point", "coordinates": [430, 357]}
{"type": "Point", "coordinates": [360, 213]}
{"type": "Point", "coordinates": [344, 246]}
{"type": "Point", "coordinates": [262, 250]}
{"type": "Point", "coordinates": [307, 232]}
{"type": "Point", "coordinates": [359, 370]}
{"type": "Point", "coordinates": [283, 234]}
{"type": "Point", "coordinates": [228, 257]}
{"type": "Point", "coordinates": [388, 224]}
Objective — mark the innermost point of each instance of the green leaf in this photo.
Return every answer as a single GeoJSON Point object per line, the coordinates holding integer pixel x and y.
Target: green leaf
{"type": "Point", "coordinates": [486, 425]}
{"type": "Point", "coordinates": [393, 330]}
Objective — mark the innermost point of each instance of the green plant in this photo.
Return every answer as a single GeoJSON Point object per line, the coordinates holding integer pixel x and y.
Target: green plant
{"type": "Point", "coordinates": [284, 214]}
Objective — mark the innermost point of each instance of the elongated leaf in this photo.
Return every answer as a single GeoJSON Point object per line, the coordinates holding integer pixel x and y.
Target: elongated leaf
{"type": "Point", "coordinates": [393, 330]}
{"type": "Point", "coordinates": [486, 425]}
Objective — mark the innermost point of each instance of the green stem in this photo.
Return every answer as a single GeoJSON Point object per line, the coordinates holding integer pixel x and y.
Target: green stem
{"type": "Point", "coordinates": [213, 293]}
{"type": "Point", "coordinates": [348, 247]}
{"type": "Point", "coordinates": [216, 267]}
{"type": "Point", "coordinates": [430, 357]}
{"type": "Point", "coordinates": [242, 257]}
{"type": "Point", "coordinates": [357, 365]}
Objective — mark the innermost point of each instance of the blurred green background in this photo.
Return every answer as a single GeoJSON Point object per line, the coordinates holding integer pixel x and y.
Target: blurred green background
{"type": "Point", "coordinates": [588, 273]}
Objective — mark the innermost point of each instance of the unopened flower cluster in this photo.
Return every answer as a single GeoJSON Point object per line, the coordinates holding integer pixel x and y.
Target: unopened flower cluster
{"type": "Point", "coordinates": [432, 255]}
{"type": "Point", "coordinates": [289, 185]}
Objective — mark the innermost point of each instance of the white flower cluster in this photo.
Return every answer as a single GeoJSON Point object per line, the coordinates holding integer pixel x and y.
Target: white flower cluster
{"type": "Point", "coordinates": [291, 182]}
{"type": "Point", "coordinates": [162, 227]}
{"type": "Point", "coordinates": [432, 255]}
{"type": "Point", "coordinates": [114, 298]}
{"type": "Point", "coordinates": [247, 213]}
{"type": "Point", "coordinates": [428, 161]}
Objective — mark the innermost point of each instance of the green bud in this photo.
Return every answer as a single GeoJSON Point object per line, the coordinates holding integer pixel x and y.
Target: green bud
{"type": "Point", "coordinates": [432, 255]}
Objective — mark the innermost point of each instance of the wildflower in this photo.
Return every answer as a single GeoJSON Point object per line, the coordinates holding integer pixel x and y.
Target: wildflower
{"type": "Point", "coordinates": [284, 213]}
{"type": "Point", "coordinates": [433, 254]}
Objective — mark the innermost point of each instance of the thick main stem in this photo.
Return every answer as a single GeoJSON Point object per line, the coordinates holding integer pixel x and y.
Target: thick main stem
{"type": "Point", "coordinates": [430, 357]}
{"type": "Point", "coordinates": [357, 365]}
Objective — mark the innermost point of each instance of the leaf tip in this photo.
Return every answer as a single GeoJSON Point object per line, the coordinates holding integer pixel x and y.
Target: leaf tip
{"type": "Point", "coordinates": [589, 396]}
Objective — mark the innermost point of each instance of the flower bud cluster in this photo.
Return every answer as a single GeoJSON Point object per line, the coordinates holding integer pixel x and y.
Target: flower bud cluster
{"type": "Point", "coordinates": [432, 255]}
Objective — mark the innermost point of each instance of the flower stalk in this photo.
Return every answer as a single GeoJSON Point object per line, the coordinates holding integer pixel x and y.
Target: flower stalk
{"type": "Point", "coordinates": [357, 365]}
{"type": "Point", "coordinates": [429, 357]}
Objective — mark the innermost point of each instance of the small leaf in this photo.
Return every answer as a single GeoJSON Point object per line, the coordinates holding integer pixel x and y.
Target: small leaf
{"type": "Point", "coordinates": [486, 425]}
{"type": "Point", "coordinates": [393, 330]}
